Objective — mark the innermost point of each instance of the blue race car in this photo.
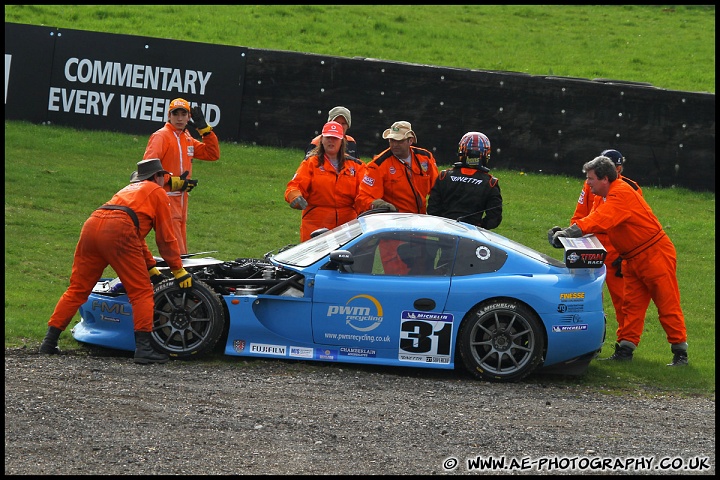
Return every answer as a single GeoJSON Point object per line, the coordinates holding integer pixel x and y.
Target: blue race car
{"type": "Point", "coordinates": [394, 289]}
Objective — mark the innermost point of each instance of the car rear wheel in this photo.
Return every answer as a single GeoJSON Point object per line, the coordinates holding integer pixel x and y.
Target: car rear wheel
{"type": "Point", "coordinates": [187, 323]}
{"type": "Point", "coordinates": [501, 341]}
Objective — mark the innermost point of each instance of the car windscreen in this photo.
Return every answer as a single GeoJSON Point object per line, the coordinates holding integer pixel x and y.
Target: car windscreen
{"type": "Point", "coordinates": [310, 251]}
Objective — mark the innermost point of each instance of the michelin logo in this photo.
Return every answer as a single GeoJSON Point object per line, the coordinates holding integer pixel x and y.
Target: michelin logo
{"type": "Point", "coordinates": [568, 328]}
{"type": "Point", "coordinates": [427, 316]}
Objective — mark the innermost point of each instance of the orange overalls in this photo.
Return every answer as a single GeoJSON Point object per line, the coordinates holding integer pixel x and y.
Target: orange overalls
{"type": "Point", "coordinates": [615, 283]}
{"type": "Point", "coordinates": [330, 194]}
{"type": "Point", "coordinates": [110, 237]}
{"type": "Point", "coordinates": [406, 187]}
{"type": "Point", "coordinates": [650, 261]}
{"type": "Point", "coordinates": [176, 151]}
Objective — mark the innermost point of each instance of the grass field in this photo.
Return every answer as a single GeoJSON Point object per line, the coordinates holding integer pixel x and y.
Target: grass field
{"type": "Point", "coordinates": [622, 42]}
{"type": "Point", "coordinates": [55, 176]}
{"type": "Point", "coordinates": [51, 186]}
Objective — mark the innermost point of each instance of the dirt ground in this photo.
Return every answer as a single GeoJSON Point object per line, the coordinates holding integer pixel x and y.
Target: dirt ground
{"type": "Point", "coordinates": [80, 413]}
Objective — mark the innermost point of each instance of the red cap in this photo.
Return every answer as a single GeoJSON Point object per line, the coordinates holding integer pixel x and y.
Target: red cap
{"type": "Point", "coordinates": [333, 129]}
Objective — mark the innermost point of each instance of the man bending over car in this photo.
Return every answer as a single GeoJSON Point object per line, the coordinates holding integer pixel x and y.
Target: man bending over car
{"type": "Point", "coordinates": [115, 235]}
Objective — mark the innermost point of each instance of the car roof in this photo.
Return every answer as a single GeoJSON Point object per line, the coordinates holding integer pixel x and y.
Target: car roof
{"type": "Point", "coordinates": [414, 222]}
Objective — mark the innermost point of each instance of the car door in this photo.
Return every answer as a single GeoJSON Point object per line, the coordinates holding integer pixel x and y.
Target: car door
{"type": "Point", "coordinates": [369, 308]}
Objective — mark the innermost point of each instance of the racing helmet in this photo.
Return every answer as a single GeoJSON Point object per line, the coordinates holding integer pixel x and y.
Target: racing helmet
{"type": "Point", "coordinates": [474, 150]}
{"type": "Point", "coordinates": [615, 156]}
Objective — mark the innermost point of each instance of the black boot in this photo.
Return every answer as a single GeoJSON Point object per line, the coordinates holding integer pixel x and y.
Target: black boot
{"type": "Point", "coordinates": [623, 352]}
{"type": "Point", "coordinates": [680, 356]}
{"type": "Point", "coordinates": [49, 344]}
{"type": "Point", "coordinates": [144, 352]}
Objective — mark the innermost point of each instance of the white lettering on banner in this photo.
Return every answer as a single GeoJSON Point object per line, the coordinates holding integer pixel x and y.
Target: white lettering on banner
{"type": "Point", "coordinates": [142, 108]}
{"type": "Point", "coordinates": [79, 101]}
{"type": "Point", "coordinates": [154, 109]}
{"type": "Point", "coordinates": [136, 76]}
{"type": "Point", "coordinates": [133, 107]}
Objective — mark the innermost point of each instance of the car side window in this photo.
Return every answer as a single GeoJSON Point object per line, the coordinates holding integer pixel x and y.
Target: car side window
{"type": "Point", "coordinates": [413, 254]}
{"type": "Point", "coordinates": [475, 257]}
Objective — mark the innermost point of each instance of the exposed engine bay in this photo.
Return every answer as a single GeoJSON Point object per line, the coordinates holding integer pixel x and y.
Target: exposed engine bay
{"type": "Point", "coordinates": [240, 276]}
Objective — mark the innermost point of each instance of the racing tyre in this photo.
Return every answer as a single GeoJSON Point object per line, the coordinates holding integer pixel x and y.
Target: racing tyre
{"type": "Point", "coordinates": [501, 341]}
{"type": "Point", "coordinates": [187, 323]}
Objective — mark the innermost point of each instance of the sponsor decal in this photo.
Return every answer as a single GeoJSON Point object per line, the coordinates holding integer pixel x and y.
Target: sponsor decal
{"type": "Point", "coordinates": [266, 349]}
{"type": "Point", "coordinates": [572, 297]}
{"type": "Point", "coordinates": [112, 307]}
{"type": "Point", "coordinates": [581, 199]}
{"type": "Point", "coordinates": [563, 308]}
{"type": "Point", "coordinates": [474, 181]}
{"type": "Point", "coordinates": [439, 317]}
{"type": "Point", "coordinates": [326, 354]}
{"type": "Point", "coordinates": [570, 319]}
{"type": "Point", "coordinates": [105, 318]}
{"type": "Point", "coordinates": [569, 328]}
{"type": "Point", "coordinates": [238, 345]}
{"type": "Point", "coordinates": [586, 258]}
{"type": "Point", "coordinates": [497, 306]}
{"type": "Point", "coordinates": [357, 352]}
{"type": "Point", "coordinates": [368, 180]}
{"type": "Point", "coordinates": [357, 337]}
{"type": "Point", "coordinates": [423, 358]}
{"type": "Point", "coordinates": [358, 314]}
{"type": "Point", "coordinates": [301, 352]}
{"type": "Point", "coordinates": [592, 258]}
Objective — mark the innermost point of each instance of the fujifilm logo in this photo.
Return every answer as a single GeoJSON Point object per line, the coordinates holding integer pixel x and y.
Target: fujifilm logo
{"type": "Point", "coordinates": [264, 349]}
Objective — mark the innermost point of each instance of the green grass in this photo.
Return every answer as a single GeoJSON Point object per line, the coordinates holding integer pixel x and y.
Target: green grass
{"type": "Point", "coordinates": [55, 177]}
{"type": "Point", "coordinates": [623, 42]}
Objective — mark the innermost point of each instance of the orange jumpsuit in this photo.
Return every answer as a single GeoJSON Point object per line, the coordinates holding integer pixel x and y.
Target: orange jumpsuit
{"type": "Point", "coordinates": [615, 283]}
{"type": "Point", "coordinates": [406, 187]}
{"type": "Point", "coordinates": [109, 237]}
{"type": "Point", "coordinates": [330, 194]}
{"type": "Point", "coordinates": [176, 151]}
{"type": "Point", "coordinates": [650, 261]}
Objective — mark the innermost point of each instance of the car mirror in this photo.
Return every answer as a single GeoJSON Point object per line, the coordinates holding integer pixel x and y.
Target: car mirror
{"type": "Point", "coordinates": [342, 259]}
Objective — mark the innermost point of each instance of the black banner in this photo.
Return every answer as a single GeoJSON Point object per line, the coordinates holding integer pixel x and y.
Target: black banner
{"type": "Point", "coordinates": [118, 82]}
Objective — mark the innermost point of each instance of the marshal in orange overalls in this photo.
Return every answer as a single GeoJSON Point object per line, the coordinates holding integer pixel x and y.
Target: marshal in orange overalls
{"type": "Point", "coordinates": [109, 237]}
{"type": "Point", "coordinates": [650, 261]}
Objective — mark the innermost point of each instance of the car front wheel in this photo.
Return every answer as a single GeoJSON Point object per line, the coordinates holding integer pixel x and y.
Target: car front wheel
{"type": "Point", "coordinates": [501, 341]}
{"type": "Point", "coordinates": [186, 323]}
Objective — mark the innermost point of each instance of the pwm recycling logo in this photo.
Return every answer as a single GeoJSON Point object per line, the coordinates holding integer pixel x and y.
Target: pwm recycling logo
{"type": "Point", "coordinates": [362, 312]}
